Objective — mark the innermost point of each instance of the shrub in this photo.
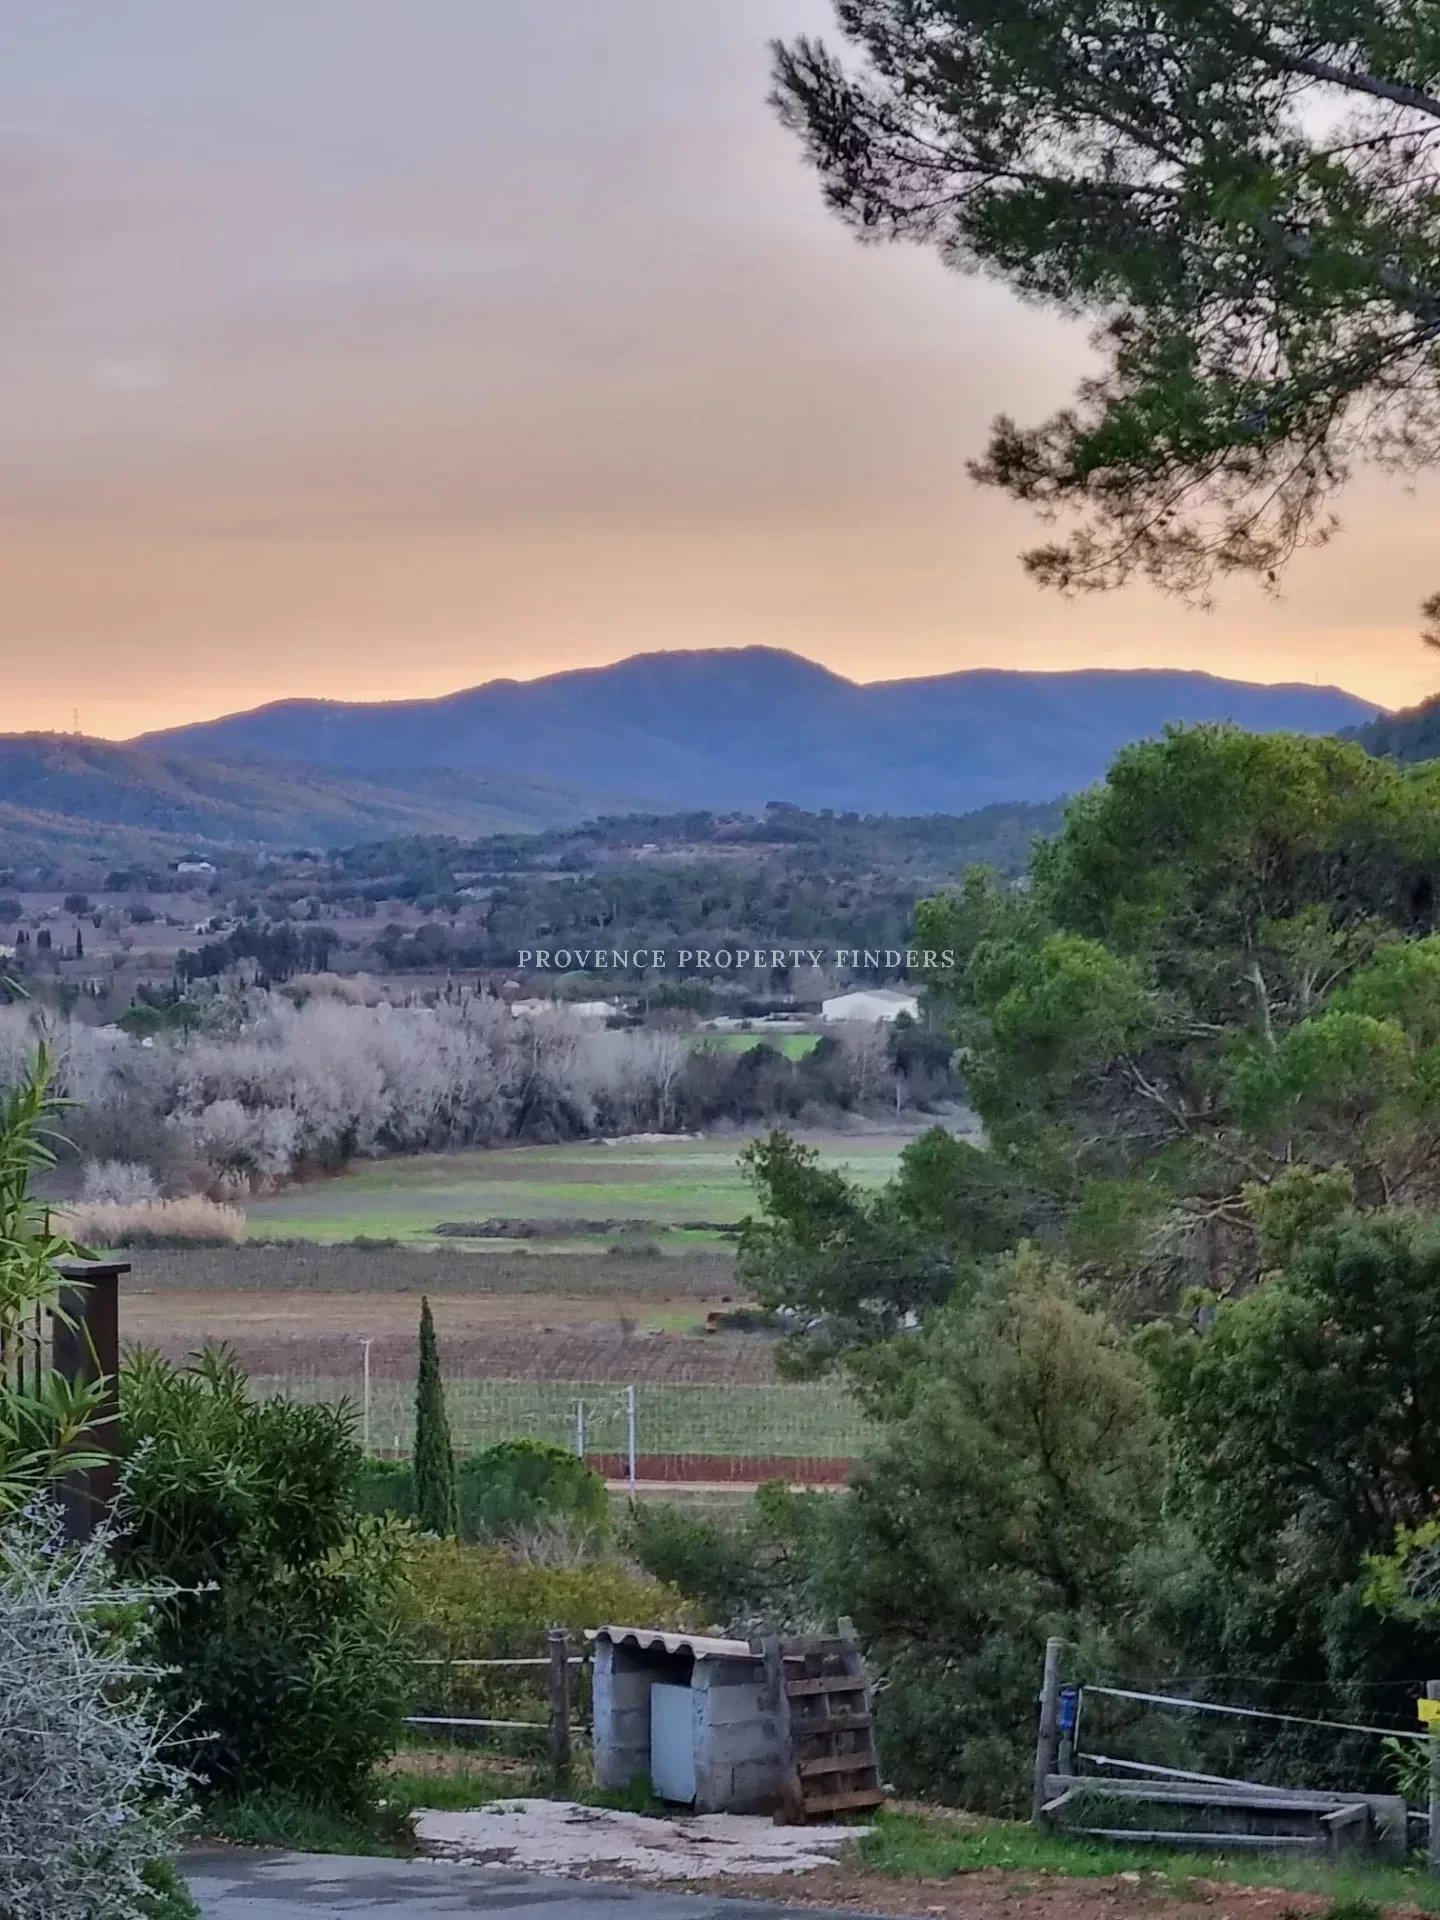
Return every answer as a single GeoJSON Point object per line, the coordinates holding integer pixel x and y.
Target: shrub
{"type": "Point", "coordinates": [467, 1602]}
{"type": "Point", "coordinates": [191, 1222]}
{"type": "Point", "coordinates": [456, 1592]}
{"type": "Point", "coordinates": [708, 1559]}
{"type": "Point", "coordinates": [166, 1895]}
{"type": "Point", "coordinates": [756, 1570]}
{"type": "Point", "coordinates": [288, 1638]}
{"type": "Point", "coordinates": [43, 1421]}
{"type": "Point", "coordinates": [385, 1486]}
{"type": "Point", "coordinates": [521, 1482]}
{"type": "Point", "coordinates": [117, 1183]}
{"type": "Point", "coordinates": [501, 1491]}
{"type": "Point", "coordinates": [90, 1805]}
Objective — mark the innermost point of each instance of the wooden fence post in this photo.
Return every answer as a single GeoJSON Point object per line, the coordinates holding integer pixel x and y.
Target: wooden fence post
{"type": "Point", "coordinates": [557, 1643]}
{"type": "Point", "coordinates": [1047, 1740]}
{"type": "Point", "coordinates": [85, 1349]}
{"type": "Point", "coordinates": [791, 1808]}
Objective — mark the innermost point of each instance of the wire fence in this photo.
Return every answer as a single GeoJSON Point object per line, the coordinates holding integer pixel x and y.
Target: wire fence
{"type": "Point", "coordinates": [1327, 1746]}
{"type": "Point", "coordinates": [483, 1700]}
{"type": "Point", "coordinates": [674, 1431]}
{"type": "Point", "coordinates": [1269, 1733]}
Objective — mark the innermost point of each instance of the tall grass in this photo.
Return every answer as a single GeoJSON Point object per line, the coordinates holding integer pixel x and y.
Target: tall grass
{"type": "Point", "coordinates": [190, 1222]}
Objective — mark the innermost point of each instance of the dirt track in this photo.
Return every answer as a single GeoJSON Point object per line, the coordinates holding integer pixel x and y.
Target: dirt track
{"type": "Point", "coordinates": [992, 1895]}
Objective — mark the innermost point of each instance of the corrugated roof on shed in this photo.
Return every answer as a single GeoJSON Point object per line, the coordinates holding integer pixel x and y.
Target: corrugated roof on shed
{"type": "Point", "coordinates": [700, 1645]}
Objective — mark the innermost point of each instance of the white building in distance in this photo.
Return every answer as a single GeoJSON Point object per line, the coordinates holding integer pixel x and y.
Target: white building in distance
{"type": "Point", "coordinates": [873, 1004]}
{"type": "Point", "coordinates": [582, 1009]}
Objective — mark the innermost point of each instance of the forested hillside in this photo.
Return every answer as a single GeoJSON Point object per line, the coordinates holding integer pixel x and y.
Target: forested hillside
{"type": "Point", "coordinates": [68, 797]}
{"type": "Point", "coordinates": [647, 880]}
{"type": "Point", "coordinates": [1409, 736]}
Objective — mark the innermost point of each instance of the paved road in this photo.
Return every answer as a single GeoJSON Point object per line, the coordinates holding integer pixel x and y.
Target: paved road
{"type": "Point", "coordinates": [241, 1884]}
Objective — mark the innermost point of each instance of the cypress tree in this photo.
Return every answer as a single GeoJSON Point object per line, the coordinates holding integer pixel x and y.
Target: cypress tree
{"type": "Point", "coordinates": [436, 1510]}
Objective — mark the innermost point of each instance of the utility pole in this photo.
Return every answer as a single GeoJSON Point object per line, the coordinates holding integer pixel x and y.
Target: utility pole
{"type": "Point", "coordinates": [631, 1424]}
{"type": "Point", "coordinates": [365, 1421]}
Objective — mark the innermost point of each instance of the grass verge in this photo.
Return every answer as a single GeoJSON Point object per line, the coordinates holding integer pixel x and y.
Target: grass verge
{"type": "Point", "coordinates": [422, 1776]}
{"type": "Point", "coordinates": [166, 1895]}
{"type": "Point", "coordinates": [910, 1846]}
{"type": "Point", "coordinates": [382, 1826]}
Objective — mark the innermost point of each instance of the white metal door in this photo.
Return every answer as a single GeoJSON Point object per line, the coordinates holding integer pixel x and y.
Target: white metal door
{"type": "Point", "coordinates": [672, 1742]}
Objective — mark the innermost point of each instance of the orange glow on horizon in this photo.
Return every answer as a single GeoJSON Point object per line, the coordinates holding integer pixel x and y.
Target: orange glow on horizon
{"type": "Point", "coordinates": [389, 354]}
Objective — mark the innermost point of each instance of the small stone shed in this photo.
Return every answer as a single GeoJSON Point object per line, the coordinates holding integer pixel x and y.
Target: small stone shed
{"type": "Point", "coordinates": [692, 1715]}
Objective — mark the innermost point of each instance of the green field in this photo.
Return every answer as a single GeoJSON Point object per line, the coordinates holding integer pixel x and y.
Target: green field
{"type": "Point", "coordinates": [662, 1183]}
{"type": "Point", "coordinates": [528, 1330]}
{"type": "Point", "coordinates": [794, 1046]}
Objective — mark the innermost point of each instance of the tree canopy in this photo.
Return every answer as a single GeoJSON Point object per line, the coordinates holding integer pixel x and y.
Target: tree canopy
{"type": "Point", "coordinates": [1015, 1478]}
{"type": "Point", "coordinates": [1156, 1367]}
{"type": "Point", "coordinates": [853, 1270]}
{"type": "Point", "coordinates": [1243, 199]}
{"type": "Point", "coordinates": [1225, 969]}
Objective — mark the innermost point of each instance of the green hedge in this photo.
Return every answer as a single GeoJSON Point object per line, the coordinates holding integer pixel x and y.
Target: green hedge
{"type": "Point", "coordinates": [486, 1603]}
{"type": "Point", "coordinates": [503, 1489]}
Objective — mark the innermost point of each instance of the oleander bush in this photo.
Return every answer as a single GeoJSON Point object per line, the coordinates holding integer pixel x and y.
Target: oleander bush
{"type": "Point", "coordinates": [286, 1636]}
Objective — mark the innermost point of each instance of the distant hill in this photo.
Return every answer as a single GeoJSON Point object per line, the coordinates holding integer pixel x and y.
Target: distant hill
{"type": "Point", "coordinates": [737, 728]}
{"type": "Point", "coordinates": [1411, 735]}
{"type": "Point", "coordinates": [62, 794]}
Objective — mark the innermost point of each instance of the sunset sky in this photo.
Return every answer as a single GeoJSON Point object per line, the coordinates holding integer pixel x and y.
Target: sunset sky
{"type": "Point", "coordinates": [373, 348]}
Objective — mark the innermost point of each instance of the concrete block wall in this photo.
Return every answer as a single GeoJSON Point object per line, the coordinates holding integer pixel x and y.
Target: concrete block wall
{"type": "Point", "coordinates": [623, 1678]}
{"type": "Point", "coordinates": [739, 1752]}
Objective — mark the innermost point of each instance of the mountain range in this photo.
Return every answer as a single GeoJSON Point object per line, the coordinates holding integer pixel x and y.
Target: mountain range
{"type": "Point", "coordinates": [63, 794]}
{"type": "Point", "coordinates": [736, 728]}
{"type": "Point", "coordinates": [723, 729]}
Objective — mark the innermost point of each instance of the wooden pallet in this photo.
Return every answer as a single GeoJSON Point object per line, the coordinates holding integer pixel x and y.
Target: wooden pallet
{"type": "Point", "coordinates": [823, 1704]}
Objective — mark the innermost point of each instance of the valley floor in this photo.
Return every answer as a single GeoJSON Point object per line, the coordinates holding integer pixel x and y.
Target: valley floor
{"type": "Point", "coordinates": [531, 1329]}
